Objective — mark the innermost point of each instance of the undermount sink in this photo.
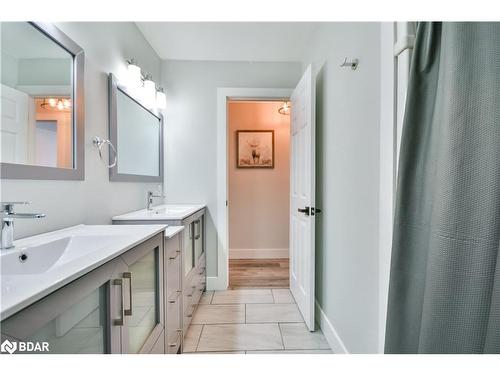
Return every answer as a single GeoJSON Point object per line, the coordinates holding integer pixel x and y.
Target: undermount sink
{"type": "Point", "coordinates": [159, 213]}
{"type": "Point", "coordinates": [40, 264]}
{"type": "Point", "coordinates": [39, 258]}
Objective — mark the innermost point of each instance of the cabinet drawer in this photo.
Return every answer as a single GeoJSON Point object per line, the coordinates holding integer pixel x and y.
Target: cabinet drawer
{"type": "Point", "coordinates": [172, 270]}
{"type": "Point", "coordinates": [174, 342]}
{"type": "Point", "coordinates": [172, 245]}
{"type": "Point", "coordinates": [174, 314]}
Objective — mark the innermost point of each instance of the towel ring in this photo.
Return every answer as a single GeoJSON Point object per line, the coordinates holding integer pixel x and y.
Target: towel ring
{"type": "Point", "coordinates": [99, 143]}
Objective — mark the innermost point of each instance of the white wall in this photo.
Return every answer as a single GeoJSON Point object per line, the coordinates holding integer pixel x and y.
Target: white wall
{"type": "Point", "coordinates": [95, 200]}
{"type": "Point", "coordinates": [348, 172]}
{"type": "Point", "coordinates": [191, 127]}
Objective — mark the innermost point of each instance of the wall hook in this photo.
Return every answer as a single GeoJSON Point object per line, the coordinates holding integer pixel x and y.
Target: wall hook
{"type": "Point", "coordinates": [353, 64]}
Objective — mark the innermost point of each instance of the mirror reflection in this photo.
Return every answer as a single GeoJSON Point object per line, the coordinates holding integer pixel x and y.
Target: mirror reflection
{"type": "Point", "coordinates": [36, 98]}
{"type": "Point", "coordinates": [138, 142]}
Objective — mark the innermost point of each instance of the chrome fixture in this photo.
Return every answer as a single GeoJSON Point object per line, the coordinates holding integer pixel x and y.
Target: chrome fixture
{"type": "Point", "coordinates": [285, 108]}
{"type": "Point", "coordinates": [8, 216]}
{"type": "Point", "coordinates": [98, 143]}
{"type": "Point", "coordinates": [152, 195]}
{"type": "Point", "coordinates": [353, 64]}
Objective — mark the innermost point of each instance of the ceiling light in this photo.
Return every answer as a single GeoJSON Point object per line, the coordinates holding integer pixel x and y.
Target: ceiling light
{"type": "Point", "coordinates": [285, 108]}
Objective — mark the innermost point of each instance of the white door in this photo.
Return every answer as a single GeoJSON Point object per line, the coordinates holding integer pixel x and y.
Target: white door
{"type": "Point", "coordinates": [14, 130]}
{"type": "Point", "coordinates": [302, 216]}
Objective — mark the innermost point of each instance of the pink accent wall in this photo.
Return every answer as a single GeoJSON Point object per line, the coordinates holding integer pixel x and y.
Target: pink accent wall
{"type": "Point", "coordinates": [259, 199]}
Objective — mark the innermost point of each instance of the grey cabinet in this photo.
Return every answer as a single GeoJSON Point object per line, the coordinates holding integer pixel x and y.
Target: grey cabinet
{"type": "Point", "coordinates": [173, 293]}
{"type": "Point", "coordinates": [116, 308]}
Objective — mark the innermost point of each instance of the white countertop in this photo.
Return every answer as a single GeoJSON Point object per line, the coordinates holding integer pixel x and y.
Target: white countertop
{"type": "Point", "coordinates": [68, 254]}
{"type": "Point", "coordinates": [172, 231]}
{"type": "Point", "coordinates": [161, 213]}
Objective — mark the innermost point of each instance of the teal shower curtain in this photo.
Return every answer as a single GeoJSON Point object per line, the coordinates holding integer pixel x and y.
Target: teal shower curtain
{"type": "Point", "coordinates": [444, 294]}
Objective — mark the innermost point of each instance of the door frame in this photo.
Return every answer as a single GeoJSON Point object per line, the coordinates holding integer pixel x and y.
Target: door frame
{"type": "Point", "coordinates": [221, 281]}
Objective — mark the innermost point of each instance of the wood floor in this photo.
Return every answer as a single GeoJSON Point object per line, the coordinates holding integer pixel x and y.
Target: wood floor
{"type": "Point", "coordinates": [258, 273]}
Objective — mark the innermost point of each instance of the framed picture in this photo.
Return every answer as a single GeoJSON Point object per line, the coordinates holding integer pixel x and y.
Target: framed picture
{"type": "Point", "coordinates": [255, 148]}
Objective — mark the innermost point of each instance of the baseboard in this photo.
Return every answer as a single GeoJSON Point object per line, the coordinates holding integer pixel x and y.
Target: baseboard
{"type": "Point", "coordinates": [216, 283]}
{"type": "Point", "coordinates": [329, 331]}
{"type": "Point", "coordinates": [258, 253]}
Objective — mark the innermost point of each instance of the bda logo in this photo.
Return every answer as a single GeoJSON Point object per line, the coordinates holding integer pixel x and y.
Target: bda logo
{"type": "Point", "coordinates": [9, 347]}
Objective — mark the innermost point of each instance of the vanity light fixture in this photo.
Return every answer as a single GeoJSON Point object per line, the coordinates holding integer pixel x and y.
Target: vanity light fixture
{"type": "Point", "coordinates": [57, 103]}
{"type": "Point", "coordinates": [134, 74]}
{"type": "Point", "coordinates": [145, 88]}
{"type": "Point", "coordinates": [149, 90]}
{"type": "Point", "coordinates": [161, 98]}
{"type": "Point", "coordinates": [285, 108]}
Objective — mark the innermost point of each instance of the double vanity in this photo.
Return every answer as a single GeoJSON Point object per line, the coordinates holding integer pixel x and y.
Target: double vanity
{"type": "Point", "coordinates": [126, 288]}
{"type": "Point", "coordinates": [131, 287]}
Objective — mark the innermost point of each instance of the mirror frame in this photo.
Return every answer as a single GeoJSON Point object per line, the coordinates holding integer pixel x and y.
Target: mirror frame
{"type": "Point", "coordinates": [35, 172]}
{"type": "Point", "coordinates": [113, 136]}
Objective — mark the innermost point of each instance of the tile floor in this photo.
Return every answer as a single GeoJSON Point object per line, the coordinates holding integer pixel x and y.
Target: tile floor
{"type": "Point", "coordinates": [252, 321]}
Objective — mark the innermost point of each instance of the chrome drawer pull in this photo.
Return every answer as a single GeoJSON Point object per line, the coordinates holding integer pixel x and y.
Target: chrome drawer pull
{"type": "Point", "coordinates": [176, 255]}
{"type": "Point", "coordinates": [128, 275]}
{"type": "Point", "coordinates": [172, 301]}
{"type": "Point", "coordinates": [172, 345]}
{"type": "Point", "coordinates": [119, 322]}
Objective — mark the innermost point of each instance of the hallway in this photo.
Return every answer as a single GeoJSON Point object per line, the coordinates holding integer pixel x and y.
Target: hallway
{"type": "Point", "coordinates": [251, 321]}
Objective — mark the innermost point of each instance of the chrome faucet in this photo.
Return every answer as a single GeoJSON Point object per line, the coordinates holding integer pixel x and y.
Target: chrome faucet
{"type": "Point", "coordinates": [152, 195]}
{"type": "Point", "coordinates": [8, 215]}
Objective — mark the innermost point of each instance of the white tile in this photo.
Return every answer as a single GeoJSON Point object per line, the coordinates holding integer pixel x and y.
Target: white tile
{"type": "Point", "coordinates": [235, 337]}
{"type": "Point", "coordinates": [191, 339]}
{"type": "Point", "coordinates": [206, 298]}
{"type": "Point", "coordinates": [297, 336]}
{"type": "Point", "coordinates": [282, 296]}
{"type": "Point", "coordinates": [272, 313]}
{"type": "Point", "coordinates": [243, 296]}
{"type": "Point", "coordinates": [319, 351]}
{"type": "Point", "coordinates": [218, 314]}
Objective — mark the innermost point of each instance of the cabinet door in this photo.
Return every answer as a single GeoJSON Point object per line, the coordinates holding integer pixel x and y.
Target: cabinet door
{"type": "Point", "coordinates": [199, 237]}
{"type": "Point", "coordinates": [188, 260]}
{"type": "Point", "coordinates": [143, 286]}
{"type": "Point", "coordinates": [82, 317]}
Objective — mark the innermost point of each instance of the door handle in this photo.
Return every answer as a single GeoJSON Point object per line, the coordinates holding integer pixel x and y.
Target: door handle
{"type": "Point", "coordinates": [128, 275]}
{"type": "Point", "coordinates": [304, 210]}
{"type": "Point", "coordinates": [119, 322]}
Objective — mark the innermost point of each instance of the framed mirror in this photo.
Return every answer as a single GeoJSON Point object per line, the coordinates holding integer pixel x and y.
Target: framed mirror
{"type": "Point", "coordinates": [42, 113]}
{"type": "Point", "coordinates": [137, 133]}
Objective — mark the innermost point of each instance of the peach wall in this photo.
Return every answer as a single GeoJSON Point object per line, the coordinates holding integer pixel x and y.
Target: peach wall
{"type": "Point", "coordinates": [259, 198]}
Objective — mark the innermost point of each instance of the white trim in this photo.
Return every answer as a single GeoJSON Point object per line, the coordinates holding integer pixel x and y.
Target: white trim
{"type": "Point", "coordinates": [258, 253]}
{"type": "Point", "coordinates": [221, 222]}
{"type": "Point", "coordinates": [329, 332]}
{"type": "Point", "coordinates": [216, 283]}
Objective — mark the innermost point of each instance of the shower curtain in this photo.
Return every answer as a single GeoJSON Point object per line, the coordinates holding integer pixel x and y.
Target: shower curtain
{"type": "Point", "coordinates": [444, 293]}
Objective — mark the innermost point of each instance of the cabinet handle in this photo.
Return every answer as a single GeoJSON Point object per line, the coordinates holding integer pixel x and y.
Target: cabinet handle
{"type": "Point", "coordinates": [173, 345]}
{"type": "Point", "coordinates": [197, 233]}
{"type": "Point", "coordinates": [177, 252]}
{"type": "Point", "coordinates": [191, 231]}
{"type": "Point", "coordinates": [128, 275]}
{"type": "Point", "coordinates": [119, 322]}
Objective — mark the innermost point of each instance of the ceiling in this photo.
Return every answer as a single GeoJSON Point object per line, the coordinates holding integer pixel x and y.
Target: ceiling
{"type": "Point", "coordinates": [229, 41]}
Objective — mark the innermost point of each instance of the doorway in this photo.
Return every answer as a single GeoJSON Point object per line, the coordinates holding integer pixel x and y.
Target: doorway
{"type": "Point", "coordinates": [258, 171]}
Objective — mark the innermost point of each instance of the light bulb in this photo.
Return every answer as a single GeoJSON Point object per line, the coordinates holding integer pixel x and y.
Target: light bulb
{"type": "Point", "coordinates": [161, 99]}
{"type": "Point", "coordinates": [149, 91]}
{"type": "Point", "coordinates": [52, 102]}
{"type": "Point", "coordinates": [66, 103]}
{"type": "Point", "coordinates": [60, 105]}
{"type": "Point", "coordinates": [134, 75]}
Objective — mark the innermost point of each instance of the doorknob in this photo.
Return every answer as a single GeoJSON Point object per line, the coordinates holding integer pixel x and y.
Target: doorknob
{"type": "Point", "coordinates": [304, 210]}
